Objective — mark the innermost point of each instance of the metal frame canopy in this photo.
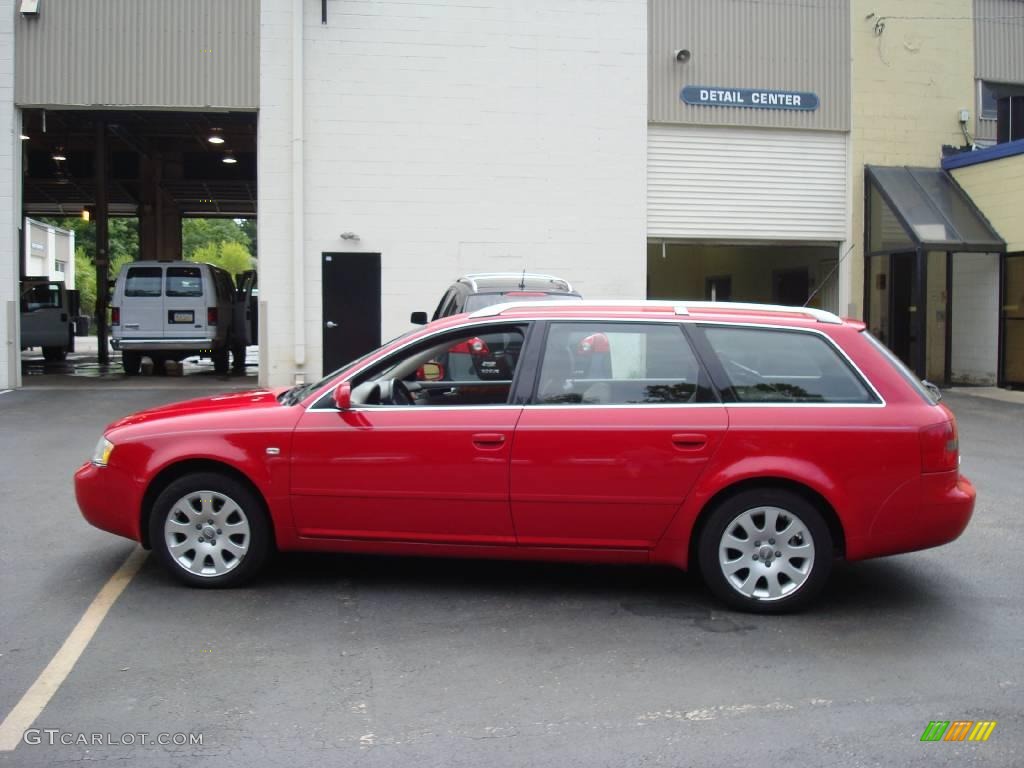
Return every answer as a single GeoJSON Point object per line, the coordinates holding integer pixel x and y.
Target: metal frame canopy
{"type": "Point", "coordinates": [911, 209]}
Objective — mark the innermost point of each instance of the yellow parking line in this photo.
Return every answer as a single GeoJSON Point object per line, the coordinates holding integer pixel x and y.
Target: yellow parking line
{"type": "Point", "coordinates": [38, 696]}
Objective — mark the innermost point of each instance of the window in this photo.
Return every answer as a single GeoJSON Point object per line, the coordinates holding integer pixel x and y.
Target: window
{"type": "Point", "coordinates": [467, 368]}
{"type": "Point", "coordinates": [184, 282]}
{"type": "Point", "coordinates": [143, 281]}
{"type": "Point", "coordinates": [40, 296]}
{"type": "Point", "coordinates": [58, 266]}
{"type": "Point", "coordinates": [764, 365]}
{"type": "Point", "coordinates": [988, 101]}
{"type": "Point", "coordinates": [602, 363]}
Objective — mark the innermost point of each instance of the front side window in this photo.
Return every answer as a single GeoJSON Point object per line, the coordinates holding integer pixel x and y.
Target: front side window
{"type": "Point", "coordinates": [602, 363]}
{"type": "Point", "coordinates": [471, 367]}
{"type": "Point", "coordinates": [40, 296]}
{"type": "Point", "coordinates": [184, 282]}
{"type": "Point", "coordinates": [144, 281]}
{"type": "Point", "coordinates": [765, 365]}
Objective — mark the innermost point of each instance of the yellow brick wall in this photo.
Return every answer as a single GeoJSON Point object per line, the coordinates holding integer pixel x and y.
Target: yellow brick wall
{"type": "Point", "coordinates": [909, 84]}
{"type": "Point", "coordinates": [997, 188]}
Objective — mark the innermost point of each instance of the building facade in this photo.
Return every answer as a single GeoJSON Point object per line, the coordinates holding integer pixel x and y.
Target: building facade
{"type": "Point", "coordinates": [719, 149]}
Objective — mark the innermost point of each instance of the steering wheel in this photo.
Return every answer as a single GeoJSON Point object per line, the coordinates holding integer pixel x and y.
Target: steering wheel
{"type": "Point", "coordinates": [395, 392]}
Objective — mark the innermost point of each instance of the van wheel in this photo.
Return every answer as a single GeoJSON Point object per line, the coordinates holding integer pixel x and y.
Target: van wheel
{"type": "Point", "coordinates": [210, 530]}
{"type": "Point", "coordinates": [54, 354]}
{"type": "Point", "coordinates": [131, 362]}
{"type": "Point", "coordinates": [220, 361]}
{"type": "Point", "coordinates": [766, 550]}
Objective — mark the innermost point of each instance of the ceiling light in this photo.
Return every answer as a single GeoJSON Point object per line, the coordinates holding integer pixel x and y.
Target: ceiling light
{"type": "Point", "coordinates": [59, 155]}
{"type": "Point", "coordinates": [85, 214]}
{"type": "Point", "coordinates": [229, 158]}
{"type": "Point", "coordinates": [215, 136]}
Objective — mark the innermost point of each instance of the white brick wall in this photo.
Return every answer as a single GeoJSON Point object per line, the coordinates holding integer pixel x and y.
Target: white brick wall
{"type": "Point", "coordinates": [975, 352]}
{"type": "Point", "coordinates": [10, 156]}
{"type": "Point", "coordinates": [452, 138]}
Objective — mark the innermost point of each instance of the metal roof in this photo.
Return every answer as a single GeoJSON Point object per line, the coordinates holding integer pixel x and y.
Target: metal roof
{"type": "Point", "coordinates": [933, 211]}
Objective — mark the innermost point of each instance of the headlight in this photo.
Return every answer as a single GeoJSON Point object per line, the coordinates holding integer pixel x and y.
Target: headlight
{"type": "Point", "coordinates": [101, 455]}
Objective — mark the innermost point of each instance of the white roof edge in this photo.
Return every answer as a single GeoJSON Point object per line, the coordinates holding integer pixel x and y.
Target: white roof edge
{"type": "Point", "coordinates": [679, 307]}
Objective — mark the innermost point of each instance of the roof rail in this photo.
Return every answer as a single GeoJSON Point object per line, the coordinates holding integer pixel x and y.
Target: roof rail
{"type": "Point", "coordinates": [493, 310]}
{"type": "Point", "coordinates": [821, 315]}
{"type": "Point", "coordinates": [677, 307]}
{"type": "Point", "coordinates": [474, 276]}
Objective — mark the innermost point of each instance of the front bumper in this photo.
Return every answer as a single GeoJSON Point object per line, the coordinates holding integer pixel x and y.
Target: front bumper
{"type": "Point", "coordinates": [159, 345]}
{"type": "Point", "coordinates": [109, 499]}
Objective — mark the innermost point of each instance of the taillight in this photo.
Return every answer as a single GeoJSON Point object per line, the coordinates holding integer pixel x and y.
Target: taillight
{"type": "Point", "coordinates": [115, 315]}
{"type": "Point", "coordinates": [211, 315]}
{"type": "Point", "coordinates": [525, 293]}
{"type": "Point", "coordinates": [474, 346]}
{"type": "Point", "coordinates": [940, 449]}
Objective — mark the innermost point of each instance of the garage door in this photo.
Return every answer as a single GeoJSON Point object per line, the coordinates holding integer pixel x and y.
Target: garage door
{"type": "Point", "coordinates": [712, 183]}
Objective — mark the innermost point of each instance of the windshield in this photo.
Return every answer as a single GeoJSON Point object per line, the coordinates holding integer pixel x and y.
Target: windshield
{"type": "Point", "coordinates": [295, 394]}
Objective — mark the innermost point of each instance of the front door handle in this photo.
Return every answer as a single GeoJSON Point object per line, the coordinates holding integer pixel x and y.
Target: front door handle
{"type": "Point", "coordinates": [689, 441]}
{"type": "Point", "coordinates": [488, 439]}
{"type": "Point", "coordinates": [331, 324]}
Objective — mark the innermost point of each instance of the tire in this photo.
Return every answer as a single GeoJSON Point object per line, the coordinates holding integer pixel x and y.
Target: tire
{"type": "Point", "coordinates": [220, 361]}
{"type": "Point", "coordinates": [131, 362]}
{"type": "Point", "coordinates": [233, 540]}
{"type": "Point", "coordinates": [54, 354]}
{"type": "Point", "coordinates": [751, 569]}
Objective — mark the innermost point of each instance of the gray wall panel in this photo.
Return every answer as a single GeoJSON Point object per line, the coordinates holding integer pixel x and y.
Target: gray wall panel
{"type": "Point", "coordinates": [149, 53]}
{"type": "Point", "coordinates": [790, 46]}
{"type": "Point", "coordinates": [999, 40]}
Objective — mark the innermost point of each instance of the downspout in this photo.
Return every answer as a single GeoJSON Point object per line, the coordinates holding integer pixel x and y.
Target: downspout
{"type": "Point", "coordinates": [298, 200]}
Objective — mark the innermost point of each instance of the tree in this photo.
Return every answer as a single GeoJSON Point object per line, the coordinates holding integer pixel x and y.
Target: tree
{"type": "Point", "coordinates": [232, 256]}
{"type": "Point", "coordinates": [197, 233]}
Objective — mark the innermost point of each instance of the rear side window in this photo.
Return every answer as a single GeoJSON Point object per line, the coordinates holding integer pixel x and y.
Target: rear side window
{"type": "Point", "coordinates": [764, 365]}
{"type": "Point", "coordinates": [144, 281]}
{"type": "Point", "coordinates": [600, 363]}
{"type": "Point", "coordinates": [184, 281]}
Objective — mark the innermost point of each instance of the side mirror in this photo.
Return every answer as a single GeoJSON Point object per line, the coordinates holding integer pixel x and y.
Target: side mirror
{"type": "Point", "coordinates": [343, 396]}
{"type": "Point", "coordinates": [418, 318]}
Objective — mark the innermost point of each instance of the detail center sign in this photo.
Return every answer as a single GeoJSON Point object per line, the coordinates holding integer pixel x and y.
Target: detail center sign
{"type": "Point", "coordinates": [709, 96]}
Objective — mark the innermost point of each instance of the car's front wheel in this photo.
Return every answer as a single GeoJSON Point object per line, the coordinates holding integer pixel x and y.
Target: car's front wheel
{"type": "Point", "coordinates": [766, 550]}
{"type": "Point", "coordinates": [210, 530]}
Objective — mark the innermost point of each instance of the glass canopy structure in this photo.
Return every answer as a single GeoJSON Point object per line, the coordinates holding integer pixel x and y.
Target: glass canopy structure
{"type": "Point", "coordinates": [916, 219]}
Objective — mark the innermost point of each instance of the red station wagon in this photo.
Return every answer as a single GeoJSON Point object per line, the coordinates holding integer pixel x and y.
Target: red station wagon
{"type": "Point", "coordinates": [754, 443]}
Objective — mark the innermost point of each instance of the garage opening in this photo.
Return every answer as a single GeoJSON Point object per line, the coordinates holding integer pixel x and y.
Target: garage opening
{"type": "Point", "coordinates": [109, 189]}
{"type": "Point", "coordinates": [773, 274]}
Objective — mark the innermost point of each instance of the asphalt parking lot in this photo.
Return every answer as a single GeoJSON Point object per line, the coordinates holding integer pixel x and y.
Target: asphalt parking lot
{"type": "Point", "coordinates": [332, 660]}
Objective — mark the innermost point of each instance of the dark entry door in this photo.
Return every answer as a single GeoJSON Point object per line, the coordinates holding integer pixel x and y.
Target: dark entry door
{"type": "Point", "coordinates": [351, 300]}
{"type": "Point", "coordinates": [901, 320]}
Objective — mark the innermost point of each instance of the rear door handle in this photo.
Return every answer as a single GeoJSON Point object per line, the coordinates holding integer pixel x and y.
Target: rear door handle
{"type": "Point", "coordinates": [488, 439]}
{"type": "Point", "coordinates": [689, 441]}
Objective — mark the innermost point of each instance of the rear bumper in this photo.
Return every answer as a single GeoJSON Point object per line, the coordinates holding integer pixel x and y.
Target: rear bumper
{"type": "Point", "coordinates": [145, 345]}
{"type": "Point", "coordinates": [930, 512]}
{"type": "Point", "coordinates": [109, 499]}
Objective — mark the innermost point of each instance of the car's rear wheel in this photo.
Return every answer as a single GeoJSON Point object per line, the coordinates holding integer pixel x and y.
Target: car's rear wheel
{"type": "Point", "coordinates": [210, 530]}
{"type": "Point", "coordinates": [54, 354]}
{"type": "Point", "coordinates": [131, 362]}
{"type": "Point", "coordinates": [766, 550]}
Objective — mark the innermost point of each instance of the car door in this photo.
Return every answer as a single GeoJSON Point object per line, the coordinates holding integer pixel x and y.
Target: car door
{"type": "Point", "coordinates": [620, 426]}
{"type": "Point", "coordinates": [189, 293]}
{"type": "Point", "coordinates": [431, 469]}
{"type": "Point", "coordinates": [142, 302]}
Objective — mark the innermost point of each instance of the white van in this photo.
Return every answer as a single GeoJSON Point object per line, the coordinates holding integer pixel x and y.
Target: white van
{"type": "Point", "coordinates": [170, 310]}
